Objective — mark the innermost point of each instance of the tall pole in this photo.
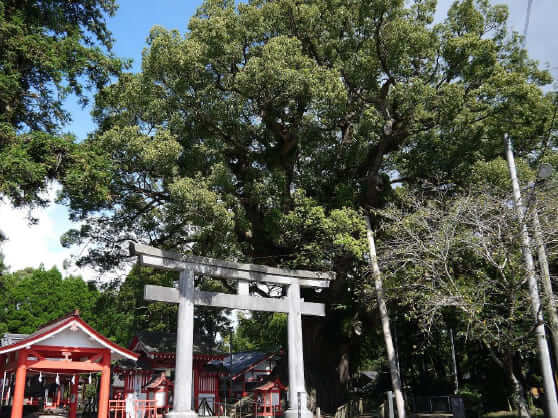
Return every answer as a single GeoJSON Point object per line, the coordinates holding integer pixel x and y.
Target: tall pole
{"type": "Point", "coordinates": [542, 345]}
{"type": "Point", "coordinates": [545, 278]}
{"type": "Point", "coordinates": [297, 390]}
{"type": "Point", "coordinates": [454, 363]}
{"type": "Point", "coordinates": [394, 372]}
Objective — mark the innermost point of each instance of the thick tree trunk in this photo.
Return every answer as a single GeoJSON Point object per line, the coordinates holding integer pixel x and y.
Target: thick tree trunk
{"type": "Point", "coordinates": [323, 359]}
{"type": "Point", "coordinates": [394, 372]}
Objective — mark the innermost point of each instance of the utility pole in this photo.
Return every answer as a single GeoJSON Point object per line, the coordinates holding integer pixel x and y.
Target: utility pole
{"type": "Point", "coordinates": [543, 173]}
{"type": "Point", "coordinates": [543, 263]}
{"type": "Point", "coordinates": [542, 345]}
{"type": "Point", "coordinates": [394, 371]}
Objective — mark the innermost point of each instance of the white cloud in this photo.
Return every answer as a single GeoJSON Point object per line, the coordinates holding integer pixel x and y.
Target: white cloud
{"type": "Point", "coordinates": [32, 245]}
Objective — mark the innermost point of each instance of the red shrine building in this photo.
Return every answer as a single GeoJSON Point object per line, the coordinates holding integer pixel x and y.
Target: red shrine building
{"type": "Point", "coordinates": [156, 355]}
{"type": "Point", "coordinates": [60, 358]}
{"type": "Point", "coordinates": [216, 376]}
{"type": "Point", "coordinates": [62, 352]}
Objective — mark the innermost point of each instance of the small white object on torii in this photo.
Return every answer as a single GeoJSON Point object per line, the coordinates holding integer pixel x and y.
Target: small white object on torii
{"type": "Point", "coordinates": [187, 296]}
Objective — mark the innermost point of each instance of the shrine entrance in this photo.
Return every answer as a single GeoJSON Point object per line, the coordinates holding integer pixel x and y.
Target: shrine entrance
{"type": "Point", "coordinates": [59, 353]}
{"type": "Point", "coordinates": [186, 296]}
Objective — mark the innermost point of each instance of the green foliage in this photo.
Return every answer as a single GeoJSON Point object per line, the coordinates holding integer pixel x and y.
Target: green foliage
{"type": "Point", "coordinates": [123, 312]}
{"type": "Point", "coordinates": [495, 174]}
{"type": "Point", "coordinates": [268, 129]}
{"type": "Point", "coordinates": [262, 103]}
{"type": "Point", "coordinates": [263, 331]}
{"type": "Point", "coordinates": [3, 267]}
{"type": "Point", "coordinates": [48, 50]}
{"type": "Point", "coordinates": [29, 161]}
{"type": "Point", "coordinates": [33, 297]}
{"type": "Point", "coordinates": [536, 413]}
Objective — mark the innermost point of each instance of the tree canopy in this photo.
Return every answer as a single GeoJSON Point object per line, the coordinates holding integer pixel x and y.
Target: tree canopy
{"type": "Point", "coordinates": [33, 297]}
{"type": "Point", "coordinates": [269, 126]}
{"type": "Point", "coordinates": [247, 124]}
{"type": "Point", "coordinates": [48, 50]}
{"type": "Point", "coordinates": [263, 134]}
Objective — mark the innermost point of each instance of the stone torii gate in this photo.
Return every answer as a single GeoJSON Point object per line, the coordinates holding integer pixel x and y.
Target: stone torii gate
{"type": "Point", "coordinates": [186, 296]}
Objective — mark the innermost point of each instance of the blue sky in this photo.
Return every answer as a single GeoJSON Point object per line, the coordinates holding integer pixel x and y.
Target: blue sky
{"type": "Point", "coordinates": [130, 27]}
{"type": "Point", "coordinates": [33, 245]}
{"type": "Point", "coordinates": [134, 18]}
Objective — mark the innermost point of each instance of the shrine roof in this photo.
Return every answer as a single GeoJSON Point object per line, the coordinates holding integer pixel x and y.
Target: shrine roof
{"type": "Point", "coordinates": [270, 385]}
{"type": "Point", "coordinates": [156, 343]}
{"type": "Point", "coordinates": [243, 361]}
{"type": "Point", "coordinates": [158, 381]}
{"type": "Point", "coordinates": [63, 332]}
{"type": "Point", "coordinates": [8, 338]}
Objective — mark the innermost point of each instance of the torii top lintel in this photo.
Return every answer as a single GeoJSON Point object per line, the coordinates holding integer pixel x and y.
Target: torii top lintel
{"type": "Point", "coordinates": [171, 260]}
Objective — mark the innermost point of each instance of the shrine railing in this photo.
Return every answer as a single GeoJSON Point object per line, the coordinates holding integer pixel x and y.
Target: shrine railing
{"type": "Point", "coordinates": [267, 410]}
{"type": "Point", "coordinates": [137, 408]}
{"type": "Point", "coordinates": [117, 408]}
{"type": "Point", "coordinates": [353, 408]}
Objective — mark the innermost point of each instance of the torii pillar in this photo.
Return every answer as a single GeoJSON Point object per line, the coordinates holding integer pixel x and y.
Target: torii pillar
{"type": "Point", "coordinates": [182, 403]}
{"type": "Point", "coordinates": [187, 297]}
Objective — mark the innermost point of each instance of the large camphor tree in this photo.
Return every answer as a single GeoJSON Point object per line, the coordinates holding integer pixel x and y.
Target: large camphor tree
{"type": "Point", "coordinates": [271, 125]}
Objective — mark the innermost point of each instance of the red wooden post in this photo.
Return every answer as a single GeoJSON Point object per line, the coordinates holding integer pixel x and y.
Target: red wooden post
{"type": "Point", "coordinates": [58, 396]}
{"type": "Point", "coordinates": [74, 397]}
{"type": "Point", "coordinates": [3, 376]}
{"type": "Point", "coordinates": [196, 387]}
{"type": "Point", "coordinates": [105, 387]}
{"type": "Point", "coordinates": [19, 390]}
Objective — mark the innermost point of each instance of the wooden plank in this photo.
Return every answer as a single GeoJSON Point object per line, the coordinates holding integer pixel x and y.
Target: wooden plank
{"type": "Point", "coordinates": [223, 300]}
{"type": "Point", "coordinates": [228, 273]}
{"type": "Point", "coordinates": [140, 249]}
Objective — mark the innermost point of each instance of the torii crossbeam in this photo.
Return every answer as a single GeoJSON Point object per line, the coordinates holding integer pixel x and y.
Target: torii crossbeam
{"type": "Point", "coordinates": [187, 296]}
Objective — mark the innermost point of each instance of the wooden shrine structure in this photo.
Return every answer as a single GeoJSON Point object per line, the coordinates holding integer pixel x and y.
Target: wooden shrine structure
{"type": "Point", "coordinates": [157, 353]}
{"type": "Point", "coordinates": [186, 296]}
{"type": "Point", "coordinates": [268, 399]}
{"type": "Point", "coordinates": [66, 346]}
{"type": "Point", "coordinates": [216, 376]}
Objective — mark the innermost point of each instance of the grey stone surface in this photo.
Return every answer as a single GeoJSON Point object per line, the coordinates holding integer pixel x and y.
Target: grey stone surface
{"type": "Point", "coordinates": [186, 296]}
{"type": "Point", "coordinates": [184, 343]}
{"type": "Point", "coordinates": [181, 414]}
{"type": "Point", "coordinates": [221, 300]}
{"type": "Point", "coordinates": [140, 249]}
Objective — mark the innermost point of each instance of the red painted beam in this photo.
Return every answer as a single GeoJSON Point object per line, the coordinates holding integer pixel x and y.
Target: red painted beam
{"type": "Point", "coordinates": [60, 349]}
{"type": "Point", "coordinates": [64, 366]}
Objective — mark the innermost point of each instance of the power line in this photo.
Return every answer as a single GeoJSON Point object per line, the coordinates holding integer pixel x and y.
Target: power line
{"type": "Point", "coordinates": [529, 4]}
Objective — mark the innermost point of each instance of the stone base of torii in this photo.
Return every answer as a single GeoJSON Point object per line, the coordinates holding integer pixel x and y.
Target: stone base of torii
{"type": "Point", "coordinates": [187, 297]}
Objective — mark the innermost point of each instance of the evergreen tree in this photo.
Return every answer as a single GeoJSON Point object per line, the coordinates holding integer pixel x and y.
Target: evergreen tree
{"type": "Point", "coordinates": [33, 297]}
{"type": "Point", "coordinates": [271, 126]}
{"type": "Point", "coordinates": [48, 50]}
